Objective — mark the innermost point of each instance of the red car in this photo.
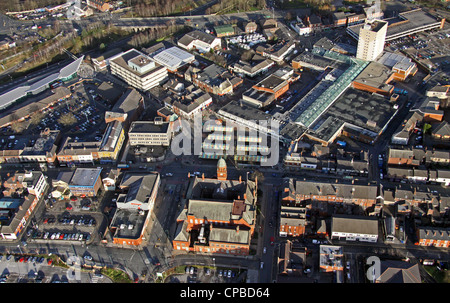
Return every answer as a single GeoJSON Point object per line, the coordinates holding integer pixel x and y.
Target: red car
{"type": "Point", "coordinates": [50, 261]}
{"type": "Point", "coordinates": [21, 259]}
{"type": "Point", "coordinates": [271, 240]}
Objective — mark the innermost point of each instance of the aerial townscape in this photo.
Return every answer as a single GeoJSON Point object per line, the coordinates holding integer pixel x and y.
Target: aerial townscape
{"type": "Point", "coordinates": [220, 142]}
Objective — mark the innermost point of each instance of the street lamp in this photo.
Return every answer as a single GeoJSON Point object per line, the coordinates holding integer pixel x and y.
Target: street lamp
{"type": "Point", "coordinates": [214, 265]}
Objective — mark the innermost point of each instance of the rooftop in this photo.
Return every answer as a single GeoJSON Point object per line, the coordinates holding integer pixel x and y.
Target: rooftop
{"type": "Point", "coordinates": [405, 23]}
{"type": "Point", "coordinates": [355, 224]}
{"type": "Point", "coordinates": [196, 35]}
{"type": "Point", "coordinates": [173, 57]}
{"type": "Point", "coordinates": [375, 75]}
{"type": "Point", "coordinates": [271, 82]}
{"type": "Point", "coordinates": [246, 112]}
{"type": "Point", "coordinates": [85, 177]}
{"type": "Point", "coordinates": [149, 127]}
{"type": "Point", "coordinates": [146, 65]}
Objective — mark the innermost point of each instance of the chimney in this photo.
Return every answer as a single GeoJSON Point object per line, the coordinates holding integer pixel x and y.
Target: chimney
{"type": "Point", "coordinates": [189, 175]}
{"type": "Point", "coordinates": [245, 196]}
{"type": "Point", "coordinates": [237, 229]}
{"type": "Point", "coordinates": [203, 176]}
{"type": "Point", "coordinates": [240, 179]}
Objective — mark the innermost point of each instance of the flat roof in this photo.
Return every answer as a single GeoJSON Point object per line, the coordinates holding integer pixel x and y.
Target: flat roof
{"type": "Point", "coordinates": [375, 75]}
{"type": "Point", "coordinates": [245, 112]}
{"type": "Point", "coordinates": [85, 177]}
{"type": "Point", "coordinates": [406, 23]}
{"type": "Point", "coordinates": [133, 55]}
{"type": "Point", "coordinates": [370, 113]}
{"type": "Point", "coordinates": [225, 28]}
{"type": "Point", "coordinates": [149, 127]}
{"type": "Point", "coordinates": [128, 223]}
{"type": "Point", "coordinates": [390, 59]}
{"type": "Point", "coordinates": [173, 57]}
{"type": "Point", "coordinates": [271, 82]}
{"type": "Point", "coordinates": [375, 25]}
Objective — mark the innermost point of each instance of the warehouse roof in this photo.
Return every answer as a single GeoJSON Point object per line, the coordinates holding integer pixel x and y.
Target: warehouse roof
{"type": "Point", "coordinates": [173, 57]}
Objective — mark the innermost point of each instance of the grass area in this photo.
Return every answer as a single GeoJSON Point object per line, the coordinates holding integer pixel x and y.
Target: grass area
{"type": "Point", "coordinates": [118, 276]}
{"type": "Point", "coordinates": [441, 276]}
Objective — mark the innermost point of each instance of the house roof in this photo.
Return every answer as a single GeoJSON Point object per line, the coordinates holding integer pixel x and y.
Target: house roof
{"type": "Point", "coordinates": [399, 272]}
{"type": "Point", "coordinates": [196, 35]}
{"type": "Point", "coordinates": [442, 129]}
{"type": "Point", "coordinates": [355, 224]}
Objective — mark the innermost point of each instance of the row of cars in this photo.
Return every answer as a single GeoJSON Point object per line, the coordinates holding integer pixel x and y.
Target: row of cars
{"type": "Point", "coordinates": [66, 236]}
{"type": "Point", "coordinates": [192, 270]}
{"type": "Point", "coordinates": [26, 259]}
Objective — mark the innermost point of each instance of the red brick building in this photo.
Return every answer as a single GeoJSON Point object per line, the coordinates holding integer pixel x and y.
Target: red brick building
{"type": "Point", "coordinates": [219, 215]}
{"type": "Point", "coordinates": [432, 236]}
{"type": "Point", "coordinates": [99, 4]}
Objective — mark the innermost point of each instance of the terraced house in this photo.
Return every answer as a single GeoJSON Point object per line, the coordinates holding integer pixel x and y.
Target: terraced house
{"type": "Point", "coordinates": [299, 198]}
{"type": "Point", "coordinates": [21, 194]}
{"type": "Point", "coordinates": [431, 236]}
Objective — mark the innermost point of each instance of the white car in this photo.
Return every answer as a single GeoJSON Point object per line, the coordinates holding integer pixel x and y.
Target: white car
{"type": "Point", "coordinates": [261, 265]}
{"type": "Point", "coordinates": [264, 250]}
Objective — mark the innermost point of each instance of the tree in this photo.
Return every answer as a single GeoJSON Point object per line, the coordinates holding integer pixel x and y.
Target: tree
{"type": "Point", "coordinates": [67, 119]}
{"type": "Point", "coordinates": [36, 118]}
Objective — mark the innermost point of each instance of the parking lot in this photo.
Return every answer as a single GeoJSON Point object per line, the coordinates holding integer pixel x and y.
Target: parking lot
{"type": "Point", "coordinates": [429, 49]}
{"type": "Point", "coordinates": [73, 221]}
{"type": "Point", "coordinates": [30, 268]}
{"type": "Point", "coordinates": [80, 116]}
